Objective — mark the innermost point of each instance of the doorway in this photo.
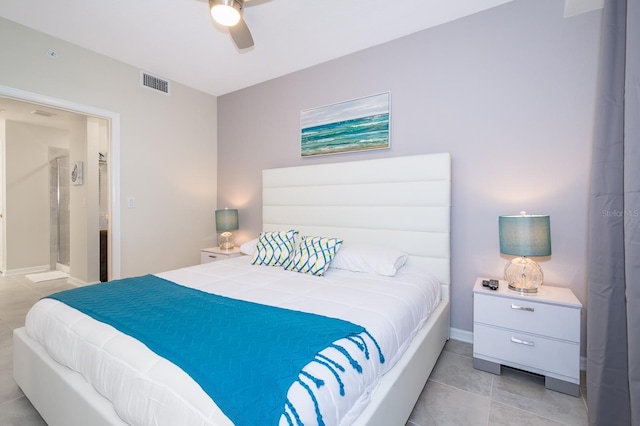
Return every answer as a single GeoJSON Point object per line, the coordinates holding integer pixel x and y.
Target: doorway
{"type": "Point", "coordinates": [101, 169]}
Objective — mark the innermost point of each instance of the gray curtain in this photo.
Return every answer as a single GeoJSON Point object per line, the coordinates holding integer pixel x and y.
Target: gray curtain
{"type": "Point", "coordinates": [613, 321]}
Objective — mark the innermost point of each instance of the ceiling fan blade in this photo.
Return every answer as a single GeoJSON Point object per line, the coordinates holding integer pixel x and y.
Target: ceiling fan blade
{"type": "Point", "coordinates": [241, 35]}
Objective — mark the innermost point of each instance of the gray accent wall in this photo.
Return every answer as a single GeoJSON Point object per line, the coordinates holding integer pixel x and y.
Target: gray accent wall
{"type": "Point", "coordinates": [509, 92]}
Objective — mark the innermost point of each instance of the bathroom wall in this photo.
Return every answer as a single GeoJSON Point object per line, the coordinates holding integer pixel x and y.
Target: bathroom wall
{"type": "Point", "coordinates": [28, 195]}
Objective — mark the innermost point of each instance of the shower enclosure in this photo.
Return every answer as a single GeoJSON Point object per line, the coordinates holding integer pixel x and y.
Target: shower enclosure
{"type": "Point", "coordinates": [103, 195]}
{"type": "Point", "coordinates": [59, 209]}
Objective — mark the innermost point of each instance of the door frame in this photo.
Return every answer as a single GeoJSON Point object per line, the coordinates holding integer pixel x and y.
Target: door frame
{"type": "Point", "coordinates": [113, 158]}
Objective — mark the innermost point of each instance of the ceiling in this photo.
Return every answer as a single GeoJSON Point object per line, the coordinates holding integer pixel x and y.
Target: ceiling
{"type": "Point", "coordinates": [40, 115]}
{"type": "Point", "coordinates": [177, 40]}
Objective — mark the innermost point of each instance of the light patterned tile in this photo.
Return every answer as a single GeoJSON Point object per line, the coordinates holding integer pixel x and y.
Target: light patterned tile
{"type": "Point", "coordinates": [459, 347]}
{"type": "Point", "coordinates": [20, 412]}
{"type": "Point", "coordinates": [13, 318]}
{"type": "Point", "coordinates": [9, 389]}
{"type": "Point", "coordinates": [457, 371]}
{"type": "Point", "coordinates": [445, 405]}
{"type": "Point", "coordinates": [15, 294]}
{"type": "Point", "coordinates": [505, 415]}
{"type": "Point", "coordinates": [6, 347]}
{"type": "Point", "coordinates": [583, 385]}
{"type": "Point", "coordinates": [527, 392]}
{"type": "Point", "coordinates": [45, 288]}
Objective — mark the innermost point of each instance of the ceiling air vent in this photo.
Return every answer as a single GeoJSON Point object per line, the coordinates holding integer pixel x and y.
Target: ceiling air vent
{"type": "Point", "coordinates": [42, 113]}
{"type": "Point", "coordinates": [155, 83]}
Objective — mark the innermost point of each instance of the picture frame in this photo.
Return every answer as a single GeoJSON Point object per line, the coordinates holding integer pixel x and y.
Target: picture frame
{"type": "Point", "coordinates": [76, 173]}
{"type": "Point", "coordinates": [350, 126]}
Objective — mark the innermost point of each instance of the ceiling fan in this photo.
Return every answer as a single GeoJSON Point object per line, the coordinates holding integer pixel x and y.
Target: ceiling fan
{"type": "Point", "coordinates": [229, 14]}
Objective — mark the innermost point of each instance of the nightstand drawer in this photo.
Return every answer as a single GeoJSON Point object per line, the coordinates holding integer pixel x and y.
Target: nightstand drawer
{"type": "Point", "coordinates": [214, 254]}
{"type": "Point", "coordinates": [522, 350]}
{"type": "Point", "coordinates": [206, 257]}
{"type": "Point", "coordinates": [527, 315]}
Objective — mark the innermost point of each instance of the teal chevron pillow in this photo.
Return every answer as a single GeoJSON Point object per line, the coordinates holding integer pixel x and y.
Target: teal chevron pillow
{"type": "Point", "coordinates": [274, 248]}
{"type": "Point", "coordinates": [313, 255]}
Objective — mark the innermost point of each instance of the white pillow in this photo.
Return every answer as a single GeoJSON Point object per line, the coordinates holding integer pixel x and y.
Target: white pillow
{"type": "Point", "coordinates": [249, 247]}
{"type": "Point", "coordinates": [369, 258]}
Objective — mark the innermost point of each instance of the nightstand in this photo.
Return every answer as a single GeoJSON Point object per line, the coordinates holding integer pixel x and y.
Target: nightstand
{"type": "Point", "coordinates": [213, 254]}
{"type": "Point", "coordinates": [537, 332]}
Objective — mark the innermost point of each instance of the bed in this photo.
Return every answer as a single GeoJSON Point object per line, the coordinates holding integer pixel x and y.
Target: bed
{"type": "Point", "coordinates": [399, 202]}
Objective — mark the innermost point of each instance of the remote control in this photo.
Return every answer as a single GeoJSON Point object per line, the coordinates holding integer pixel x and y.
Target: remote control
{"type": "Point", "coordinates": [492, 284]}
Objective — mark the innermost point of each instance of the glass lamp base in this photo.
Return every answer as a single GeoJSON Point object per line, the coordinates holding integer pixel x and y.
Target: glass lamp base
{"type": "Point", "coordinates": [523, 275]}
{"type": "Point", "coordinates": [225, 242]}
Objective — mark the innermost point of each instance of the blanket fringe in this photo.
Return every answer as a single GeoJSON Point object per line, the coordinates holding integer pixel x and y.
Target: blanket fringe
{"type": "Point", "coordinates": [296, 416]}
{"type": "Point", "coordinates": [335, 368]}
{"type": "Point", "coordinates": [315, 402]}
{"type": "Point", "coordinates": [334, 372]}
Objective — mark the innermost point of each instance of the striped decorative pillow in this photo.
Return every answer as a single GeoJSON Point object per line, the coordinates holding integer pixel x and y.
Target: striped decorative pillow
{"type": "Point", "coordinates": [313, 255]}
{"type": "Point", "coordinates": [274, 248]}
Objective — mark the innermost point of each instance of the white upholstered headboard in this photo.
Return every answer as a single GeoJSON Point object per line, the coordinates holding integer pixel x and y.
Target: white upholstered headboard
{"type": "Point", "coordinates": [401, 202]}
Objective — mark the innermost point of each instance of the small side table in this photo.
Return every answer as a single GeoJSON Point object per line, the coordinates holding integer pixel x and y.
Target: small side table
{"type": "Point", "coordinates": [537, 332]}
{"type": "Point", "coordinates": [213, 254]}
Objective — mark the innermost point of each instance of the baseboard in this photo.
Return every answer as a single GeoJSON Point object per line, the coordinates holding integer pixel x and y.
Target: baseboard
{"type": "Point", "coordinates": [29, 270]}
{"type": "Point", "coordinates": [461, 335]}
{"type": "Point", "coordinates": [467, 337]}
{"type": "Point", "coordinates": [76, 282]}
{"type": "Point", "coordinates": [63, 268]}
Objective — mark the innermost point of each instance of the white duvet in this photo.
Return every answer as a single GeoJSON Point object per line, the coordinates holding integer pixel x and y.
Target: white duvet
{"type": "Point", "coordinates": [146, 389]}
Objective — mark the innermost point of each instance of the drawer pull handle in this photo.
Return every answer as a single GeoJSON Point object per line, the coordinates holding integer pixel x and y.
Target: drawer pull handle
{"type": "Point", "coordinates": [522, 342]}
{"type": "Point", "coordinates": [213, 256]}
{"type": "Point", "coordinates": [522, 308]}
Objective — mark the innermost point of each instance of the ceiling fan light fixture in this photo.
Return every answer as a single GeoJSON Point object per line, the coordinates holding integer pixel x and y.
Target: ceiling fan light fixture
{"type": "Point", "coordinates": [226, 12]}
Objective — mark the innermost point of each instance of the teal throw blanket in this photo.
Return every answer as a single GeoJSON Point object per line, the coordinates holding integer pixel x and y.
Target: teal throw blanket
{"type": "Point", "coordinates": [244, 355]}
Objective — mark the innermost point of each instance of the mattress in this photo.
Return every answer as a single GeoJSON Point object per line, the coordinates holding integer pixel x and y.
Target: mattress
{"type": "Point", "coordinates": [146, 389]}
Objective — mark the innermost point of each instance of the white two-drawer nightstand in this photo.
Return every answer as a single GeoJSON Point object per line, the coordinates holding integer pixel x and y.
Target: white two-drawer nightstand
{"type": "Point", "coordinates": [537, 332]}
{"type": "Point", "coordinates": [212, 254]}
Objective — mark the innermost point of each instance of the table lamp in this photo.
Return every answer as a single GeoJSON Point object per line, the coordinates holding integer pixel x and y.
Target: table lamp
{"type": "Point", "coordinates": [524, 235]}
{"type": "Point", "coordinates": [226, 220]}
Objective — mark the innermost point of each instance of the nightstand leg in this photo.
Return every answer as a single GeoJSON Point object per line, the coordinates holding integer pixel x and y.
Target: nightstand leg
{"type": "Point", "coordinates": [561, 386]}
{"type": "Point", "coordinates": [488, 366]}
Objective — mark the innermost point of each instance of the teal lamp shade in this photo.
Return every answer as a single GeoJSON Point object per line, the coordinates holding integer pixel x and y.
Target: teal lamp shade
{"type": "Point", "coordinates": [524, 235]}
{"type": "Point", "coordinates": [226, 221]}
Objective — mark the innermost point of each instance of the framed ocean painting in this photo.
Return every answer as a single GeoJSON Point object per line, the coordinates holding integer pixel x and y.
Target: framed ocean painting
{"type": "Point", "coordinates": [355, 125]}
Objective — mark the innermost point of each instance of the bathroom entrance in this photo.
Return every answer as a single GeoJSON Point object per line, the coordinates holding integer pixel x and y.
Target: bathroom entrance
{"type": "Point", "coordinates": [57, 190]}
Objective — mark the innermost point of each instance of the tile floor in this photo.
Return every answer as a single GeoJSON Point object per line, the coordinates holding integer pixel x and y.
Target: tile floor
{"type": "Point", "coordinates": [17, 295]}
{"type": "Point", "coordinates": [456, 393]}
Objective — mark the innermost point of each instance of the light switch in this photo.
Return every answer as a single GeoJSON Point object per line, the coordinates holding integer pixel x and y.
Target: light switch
{"type": "Point", "coordinates": [131, 202]}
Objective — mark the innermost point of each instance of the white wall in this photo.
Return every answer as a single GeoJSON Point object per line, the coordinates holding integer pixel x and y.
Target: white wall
{"type": "Point", "coordinates": [27, 194]}
{"type": "Point", "coordinates": [167, 144]}
{"type": "Point", "coordinates": [509, 92]}
{"type": "Point", "coordinates": [83, 202]}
